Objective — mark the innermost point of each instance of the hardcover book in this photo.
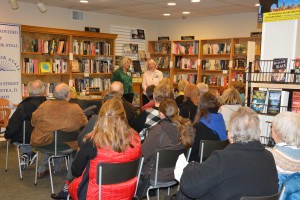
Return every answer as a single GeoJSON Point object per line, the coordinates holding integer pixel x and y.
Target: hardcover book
{"type": "Point", "coordinates": [279, 70]}
{"type": "Point", "coordinates": [258, 103]}
{"type": "Point", "coordinates": [274, 102]}
{"type": "Point", "coordinates": [45, 67]}
{"type": "Point", "coordinates": [296, 102]}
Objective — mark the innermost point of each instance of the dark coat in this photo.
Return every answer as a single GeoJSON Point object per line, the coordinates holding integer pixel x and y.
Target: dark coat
{"type": "Point", "coordinates": [241, 169]}
{"type": "Point", "coordinates": [14, 129]}
{"type": "Point", "coordinates": [188, 110]}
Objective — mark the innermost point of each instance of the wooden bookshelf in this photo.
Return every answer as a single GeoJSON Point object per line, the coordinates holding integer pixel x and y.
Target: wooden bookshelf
{"type": "Point", "coordinates": [59, 47]}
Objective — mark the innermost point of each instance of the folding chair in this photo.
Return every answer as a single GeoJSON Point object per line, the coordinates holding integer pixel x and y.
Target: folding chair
{"type": "Point", "coordinates": [165, 159]}
{"type": "Point", "coordinates": [208, 146]}
{"type": "Point", "coordinates": [18, 149]}
{"type": "Point", "coordinates": [271, 197]}
{"type": "Point", "coordinates": [58, 149]}
{"type": "Point", "coordinates": [113, 173]}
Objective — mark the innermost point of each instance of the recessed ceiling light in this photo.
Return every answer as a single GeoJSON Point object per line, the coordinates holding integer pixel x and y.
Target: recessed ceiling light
{"type": "Point", "coordinates": [195, 1]}
{"type": "Point", "coordinates": [167, 14]}
{"type": "Point", "coordinates": [171, 4]}
{"type": "Point", "coordinates": [83, 1]}
{"type": "Point", "coordinates": [257, 4]}
{"type": "Point", "coordinates": [185, 12]}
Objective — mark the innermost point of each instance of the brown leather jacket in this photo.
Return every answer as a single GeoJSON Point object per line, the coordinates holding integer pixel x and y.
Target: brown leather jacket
{"type": "Point", "coordinates": [55, 115]}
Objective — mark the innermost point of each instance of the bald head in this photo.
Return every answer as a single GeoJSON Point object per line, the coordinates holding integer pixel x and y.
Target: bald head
{"type": "Point", "coordinates": [36, 88]}
{"type": "Point", "coordinates": [62, 92]}
{"type": "Point", "coordinates": [117, 86]}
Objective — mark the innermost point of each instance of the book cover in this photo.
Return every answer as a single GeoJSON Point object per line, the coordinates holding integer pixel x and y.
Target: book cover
{"type": "Point", "coordinates": [45, 67]}
{"type": "Point", "coordinates": [279, 68]}
{"type": "Point", "coordinates": [142, 55]}
{"type": "Point", "coordinates": [296, 102]}
{"type": "Point", "coordinates": [274, 101]}
{"type": "Point", "coordinates": [297, 70]}
{"type": "Point", "coordinates": [258, 102]}
{"type": "Point", "coordinates": [136, 66]}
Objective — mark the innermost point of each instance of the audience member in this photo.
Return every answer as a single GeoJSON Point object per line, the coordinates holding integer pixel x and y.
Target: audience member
{"type": "Point", "coordinates": [123, 75]}
{"type": "Point", "coordinates": [111, 141]}
{"type": "Point", "coordinates": [23, 113]}
{"type": "Point", "coordinates": [180, 98]}
{"type": "Point", "coordinates": [150, 117]}
{"type": "Point", "coordinates": [169, 82]}
{"type": "Point", "coordinates": [202, 88]}
{"type": "Point", "coordinates": [243, 168]}
{"type": "Point", "coordinates": [151, 77]}
{"type": "Point", "coordinates": [117, 86]}
{"type": "Point", "coordinates": [188, 108]}
{"type": "Point", "coordinates": [240, 86]}
{"type": "Point", "coordinates": [231, 101]}
{"type": "Point", "coordinates": [171, 132]}
{"type": "Point", "coordinates": [149, 93]}
{"type": "Point", "coordinates": [209, 124]}
{"type": "Point", "coordinates": [53, 115]}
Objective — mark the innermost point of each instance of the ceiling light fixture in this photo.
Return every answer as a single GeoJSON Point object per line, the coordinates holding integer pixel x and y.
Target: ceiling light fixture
{"type": "Point", "coordinates": [40, 4]}
{"type": "Point", "coordinates": [167, 14]}
{"type": "Point", "coordinates": [185, 12]}
{"type": "Point", "coordinates": [83, 1]}
{"type": "Point", "coordinates": [195, 1]}
{"type": "Point", "coordinates": [13, 4]}
{"type": "Point", "coordinates": [257, 4]}
{"type": "Point", "coordinates": [171, 4]}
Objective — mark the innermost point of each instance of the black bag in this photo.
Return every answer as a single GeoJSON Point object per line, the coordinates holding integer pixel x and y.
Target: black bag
{"type": "Point", "coordinates": [143, 186]}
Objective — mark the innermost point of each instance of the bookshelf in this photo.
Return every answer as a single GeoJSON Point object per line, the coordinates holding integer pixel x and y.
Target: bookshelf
{"type": "Point", "coordinates": [59, 55]}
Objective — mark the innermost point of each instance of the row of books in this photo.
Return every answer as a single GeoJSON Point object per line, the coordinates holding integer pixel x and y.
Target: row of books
{"type": "Point", "coordinates": [81, 47]}
{"type": "Point", "coordinates": [53, 46]}
{"type": "Point", "coordinates": [131, 48]}
{"type": "Point", "coordinates": [34, 66]}
{"type": "Point", "coordinates": [215, 64]}
{"type": "Point", "coordinates": [163, 48]}
{"type": "Point", "coordinates": [240, 63]}
{"type": "Point", "coordinates": [92, 66]}
{"type": "Point", "coordinates": [191, 78]}
{"type": "Point", "coordinates": [215, 80]}
{"type": "Point", "coordinates": [186, 63]}
{"type": "Point", "coordinates": [217, 48]}
{"type": "Point", "coordinates": [186, 48]}
{"type": "Point", "coordinates": [99, 84]}
{"type": "Point", "coordinates": [240, 48]}
{"type": "Point", "coordinates": [162, 62]}
{"type": "Point", "coordinates": [271, 101]}
{"type": "Point", "coordinates": [237, 76]}
{"type": "Point", "coordinates": [49, 88]}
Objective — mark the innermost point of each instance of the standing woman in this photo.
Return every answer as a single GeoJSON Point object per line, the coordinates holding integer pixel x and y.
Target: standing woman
{"type": "Point", "coordinates": [111, 141]}
{"type": "Point", "coordinates": [151, 77]}
{"type": "Point", "coordinates": [123, 75]}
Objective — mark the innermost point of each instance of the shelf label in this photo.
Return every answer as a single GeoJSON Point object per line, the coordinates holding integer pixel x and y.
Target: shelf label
{"type": "Point", "coordinates": [86, 74]}
{"type": "Point", "coordinates": [70, 56]}
{"type": "Point", "coordinates": [225, 71]}
{"type": "Point", "coordinates": [171, 64]}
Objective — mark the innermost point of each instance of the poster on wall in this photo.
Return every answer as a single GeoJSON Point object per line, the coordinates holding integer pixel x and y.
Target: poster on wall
{"type": "Point", "coordinates": [10, 75]}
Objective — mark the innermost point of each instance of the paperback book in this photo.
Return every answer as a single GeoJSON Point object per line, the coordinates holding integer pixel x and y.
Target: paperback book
{"type": "Point", "coordinates": [258, 103]}
{"type": "Point", "coordinates": [279, 69]}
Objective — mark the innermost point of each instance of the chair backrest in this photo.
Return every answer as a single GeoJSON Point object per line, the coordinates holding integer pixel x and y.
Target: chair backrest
{"type": "Point", "coordinates": [206, 147]}
{"type": "Point", "coordinates": [166, 158]}
{"type": "Point", "coordinates": [62, 136]}
{"type": "Point", "coordinates": [4, 112]}
{"type": "Point", "coordinates": [271, 197]}
{"type": "Point", "coordinates": [113, 173]}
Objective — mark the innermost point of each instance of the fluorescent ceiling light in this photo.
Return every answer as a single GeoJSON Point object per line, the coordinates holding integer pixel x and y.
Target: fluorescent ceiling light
{"type": "Point", "coordinates": [185, 12]}
{"type": "Point", "coordinates": [171, 4]}
{"type": "Point", "coordinates": [257, 4]}
{"type": "Point", "coordinates": [195, 1]}
{"type": "Point", "coordinates": [167, 14]}
{"type": "Point", "coordinates": [13, 4]}
{"type": "Point", "coordinates": [83, 1]}
{"type": "Point", "coordinates": [41, 6]}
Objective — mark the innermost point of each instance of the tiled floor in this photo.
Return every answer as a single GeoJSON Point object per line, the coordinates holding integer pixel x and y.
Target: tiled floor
{"type": "Point", "coordinates": [12, 188]}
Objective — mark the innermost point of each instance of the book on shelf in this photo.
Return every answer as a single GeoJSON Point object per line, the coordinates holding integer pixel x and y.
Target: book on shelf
{"type": "Point", "coordinates": [259, 101]}
{"type": "Point", "coordinates": [277, 101]}
{"type": "Point", "coordinates": [75, 66]}
{"type": "Point", "coordinates": [279, 69]}
{"type": "Point", "coordinates": [142, 55]}
{"type": "Point", "coordinates": [136, 66]}
{"type": "Point", "coordinates": [240, 48]}
{"type": "Point", "coordinates": [45, 67]}
{"type": "Point", "coordinates": [296, 102]}
{"type": "Point", "coordinates": [297, 70]}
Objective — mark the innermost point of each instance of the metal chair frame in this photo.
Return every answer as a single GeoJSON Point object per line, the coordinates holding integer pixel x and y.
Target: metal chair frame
{"type": "Point", "coordinates": [208, 146]}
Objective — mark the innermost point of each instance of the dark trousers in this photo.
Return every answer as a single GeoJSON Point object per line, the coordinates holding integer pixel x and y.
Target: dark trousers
{"type": "Point", "coordinates": [145, 99]}
{"type": "Point", "coordinates": [128, 97]}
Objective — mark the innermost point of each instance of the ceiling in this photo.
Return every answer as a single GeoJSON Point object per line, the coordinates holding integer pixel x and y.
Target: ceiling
{"type": "Point", "coordinates": [154, 9]}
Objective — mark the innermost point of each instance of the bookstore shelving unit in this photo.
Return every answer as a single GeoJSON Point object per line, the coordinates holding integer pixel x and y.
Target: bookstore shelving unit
{"type": "Point", "coordinates": [59, 55]}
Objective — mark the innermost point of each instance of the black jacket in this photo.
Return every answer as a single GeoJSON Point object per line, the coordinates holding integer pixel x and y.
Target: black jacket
{"type": "Point", "coordinates": [14, 129]}
{"type": "Point", "coordinates": [188, 110]}
{"type": "Point", "coordinates": [241, 169]}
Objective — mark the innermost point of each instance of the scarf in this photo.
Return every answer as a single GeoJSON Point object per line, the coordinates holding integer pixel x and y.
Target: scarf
{"type": "Point", "coordinates": [216, 123]}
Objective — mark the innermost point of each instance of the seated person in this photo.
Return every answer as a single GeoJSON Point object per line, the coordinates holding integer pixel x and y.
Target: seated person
{"type": "Point", "coordinates": [202, 88]}
{"type": "Point", "coordinates": [14, 129]}
{"type": "Point", "coordinates": [112, 141]}
{"type": "Point", "coordinates": [240, 86]}
{"type": "Point", "coordinates": [243, 168]}
{"type": "Point", "coordinates": [171, 132]}
{"type": "Point", "coordinates": [149, 94]}
{"type": "Point", "coordinates": [180, 98]}
{"type": "Point", "coordinates": [209, 124]}
{"type": "Point", "coordinates": [54, 115]}
{"type": "Point", "coordinates": [189, 106]}
{"type": "Point", "coordinates": [286, 152]}
{"type": "Point", "coordinates": [150, 117]}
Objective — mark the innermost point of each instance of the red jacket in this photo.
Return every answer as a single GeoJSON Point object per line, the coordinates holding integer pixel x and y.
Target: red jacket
{"type": "Point", "coordinates": [121, 191]}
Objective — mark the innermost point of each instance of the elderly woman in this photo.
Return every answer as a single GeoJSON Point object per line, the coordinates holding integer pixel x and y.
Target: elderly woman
{"type": "Point", "coordinates": [243, 168]}
{"type": "Point", "coordinates": [123, 75]}
{"type": "Point", "coordinates": [151, 77]}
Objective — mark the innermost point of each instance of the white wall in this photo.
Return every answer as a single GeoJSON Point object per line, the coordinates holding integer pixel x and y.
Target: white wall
{"type": "Point", "coordinates": [224, 26]}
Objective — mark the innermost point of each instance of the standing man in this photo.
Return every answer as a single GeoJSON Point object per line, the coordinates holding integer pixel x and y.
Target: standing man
{"type": "Point", "coordinates": [23, 113]}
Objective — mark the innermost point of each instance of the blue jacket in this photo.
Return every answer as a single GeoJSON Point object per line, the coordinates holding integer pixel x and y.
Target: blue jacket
{"type": "Point", "coordinates": [292, 185]}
